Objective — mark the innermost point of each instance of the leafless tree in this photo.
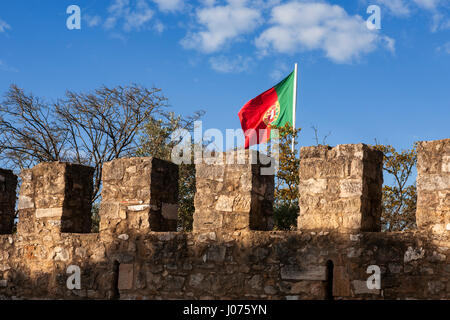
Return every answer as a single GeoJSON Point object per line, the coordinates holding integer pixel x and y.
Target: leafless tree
{"type": "Point", "coordinates": [85, 128]}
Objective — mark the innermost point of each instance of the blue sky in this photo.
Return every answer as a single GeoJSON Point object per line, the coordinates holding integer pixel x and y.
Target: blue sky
{"type": "Point", "coordinates": [392, 84]}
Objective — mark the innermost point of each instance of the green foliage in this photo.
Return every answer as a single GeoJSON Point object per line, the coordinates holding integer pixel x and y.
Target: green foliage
{"type": "Point", "coordinates": [95, 217]}
{"type": "Point", "coordinates": [286, 205]}
{"type": "Point", "coordinates": [156, 142]}
{"type": "Point", "coordinates": [285, 216]}
{"type": "Point", "coordinates": [399, 198]}
{"type": "Point", "coordinates": [186, 191]}
{"type": "Point", "coordinates": [155, 138]}
{"type": "Point", "coordinates": [14, 229]}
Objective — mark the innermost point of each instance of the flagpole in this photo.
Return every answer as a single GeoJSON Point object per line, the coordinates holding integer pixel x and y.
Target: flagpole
{"type": "Point", "coordinates": [294, 103]}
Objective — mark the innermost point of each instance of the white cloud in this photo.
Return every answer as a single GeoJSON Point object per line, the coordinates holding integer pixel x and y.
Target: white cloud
{"type": "Point", "coordinates": [444, 48]}
{"type": "Point", "coordinates": [92, 21]}
{"type": "Point", "coordinates": [159, 27]}
{"type": "Point", "coordinates": [439, 11]}
{"type": "Point", "coordinates": [300, 26]}
{"type": "Point", "coordinates": [440, 22]}
{"type": "Point", "coordinates": [427, 4]}
{"type": "Point", "coordinates": [221, 25]}
{"type": "Point", "coordinates": [208, 3]}
{"type": "Point", "coordinates": [389, 43]}
{"type": "Point", "coordinates": [134, 14]}
{"type": "Point", "coordinates": [445, 25]}
{"type": "Point", "coordinates": [119, 36]}
{"type": "Point", "coordinates": [4, 26]}
{"type": "Point", "coordinates": [396, 7]}
{"type": "Point", "coordinates": [230, 65]}
{"type": "Point", "coordinates": [279, 71]}
{"type": "Point", "coordinates": [169, 5]}
{"type": "Point", "coordinates": [405, 8]}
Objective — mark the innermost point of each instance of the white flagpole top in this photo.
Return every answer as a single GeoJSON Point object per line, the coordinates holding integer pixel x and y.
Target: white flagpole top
{"type": "Point", "coordinates": [294, 103]}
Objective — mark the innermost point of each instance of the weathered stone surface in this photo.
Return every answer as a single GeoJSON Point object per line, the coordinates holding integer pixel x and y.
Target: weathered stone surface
{"type": "Point", "coordinates": [203, 237]}
{"type": "Point", "coordinates": [49, 213]}
{"type": "Point", "coordinates": [300, 287]}
{"type": "Point", "coordinates": [278, 265]}
{"type": "Point", "coordinates": [234, 196]}
{"type": "Point", "coordinates": [313, 186]}
{"type": "Point", "coordinates": [175, 282]}
{"type": "Point", "coordinates": [61, 254]}
{"type": "Point", "coordinates": [139, 207]}
{"type": "Point", "coordinates": [413, 254]}
{"type": "Point", "coordinates": [270, 290]}
{"type": "Point", "coordinates": [433, 186]}
{"type": "Point", "coordinates": [395, 268]}
{"type": "Point", "coordinates": [58, 195]}
{"type": "Point", "coordinates": [123, 236]}
{"type": "Point", "coordinates": [445, 164]}
{"type": "Point", "coordinates": [25, 203]}
{"type": "Point", "coordinates": [196, 280]}
{"type": "Point", "coordinates": [360, 287]}
{"type": "Point", "coordinates": [225, 203]}
{"type": "Point", "coordinates": [227, 260]}
{"type": "Point", "coordinates": [125, 277]}
{"type": "Point", "coordinates": [255, 282]}
{"type": "Point", "coordinates": [341, 282]}
{"type": "Point", "coordinates": [340, 188]}
{"type": "Point", "coordinates": [142, 193]}
{"type": "Point", "coordinates": [294, 273]}
{"type": "Point", "coordinates": [216, 254]}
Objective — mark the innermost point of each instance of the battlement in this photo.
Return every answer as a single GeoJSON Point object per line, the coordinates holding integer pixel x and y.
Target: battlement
{"type": "Point", "coordinates": [231, 252]}
{"type": "Point", "coordinates": [55, 197]}
{"type": "Point", "coordinates": [340, 190]}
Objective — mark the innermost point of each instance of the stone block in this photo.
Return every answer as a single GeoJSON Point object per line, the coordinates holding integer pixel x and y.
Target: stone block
{"type": "Point", "coordinates": [234, 196]}
{"type": "Point", "coordinates": [433, 186]}
{"type": "Point", "coordinates": [125, 281]}
{"type": "Point", "coordinates": [56, 196]}
{"type": "Point", "coordinates": [49, 213]}
{"type": "Point", "coordinates": [295, 273]}
{"type": "Point", "coordinates": [341, 282]}
{"type": "Point", "coordinates": [340, 188]}
{"type": "Point", "coordinates": [360, 287]}
{"type": "Point", "coordinates": [25, 203]}
{"type": "Point", "coordinates": [139, 194]}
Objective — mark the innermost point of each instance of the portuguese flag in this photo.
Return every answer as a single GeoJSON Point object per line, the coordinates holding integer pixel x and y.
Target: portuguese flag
{"type": "Point", "coordinates": [273, 107]}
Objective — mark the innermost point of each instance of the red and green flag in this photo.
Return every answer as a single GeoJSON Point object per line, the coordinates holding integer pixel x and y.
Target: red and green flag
{"type": "Point", "coordinates": [274, 107]}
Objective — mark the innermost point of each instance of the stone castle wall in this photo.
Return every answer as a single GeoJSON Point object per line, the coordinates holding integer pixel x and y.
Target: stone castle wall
{"type": "Point", "coordinates": [138, 254]}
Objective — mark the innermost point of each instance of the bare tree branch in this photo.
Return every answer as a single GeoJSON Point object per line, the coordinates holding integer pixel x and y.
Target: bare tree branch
{"type": "Point", "coordinates": [85, 128]}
